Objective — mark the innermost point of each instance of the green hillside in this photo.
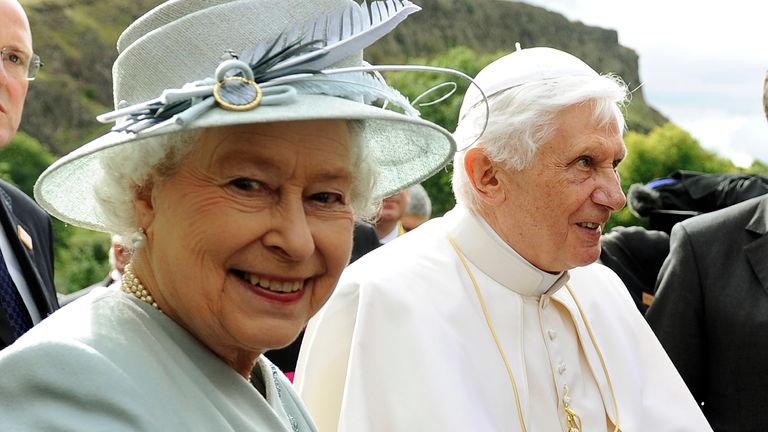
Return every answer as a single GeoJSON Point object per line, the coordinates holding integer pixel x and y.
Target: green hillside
{"type": "Point", "coordinates": [76, 39]}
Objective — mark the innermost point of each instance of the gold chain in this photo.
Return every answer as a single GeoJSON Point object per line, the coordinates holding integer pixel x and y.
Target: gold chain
{"type": "Point", "coordinates": [599, 355]}
{"type": "Point", "coordinates": [572, 419]}
{"type": "Point", "coordinates": [574, 422]}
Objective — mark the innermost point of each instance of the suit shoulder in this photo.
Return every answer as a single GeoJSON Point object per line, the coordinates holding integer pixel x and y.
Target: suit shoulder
{"type": "Point", "coordinates": [737, 216]}
{"type": "Point", "coordinates": [23, 206]}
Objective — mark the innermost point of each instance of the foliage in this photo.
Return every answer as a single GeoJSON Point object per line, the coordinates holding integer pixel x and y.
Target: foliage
{"type": "Point", "coordinates": [666, 149]}
{"type": "Point", "coordinates": [84, 260]}
{"type": "Point", "coordinates": [758, 167]}
{"type": "Point", "coordinates": [23, 161]}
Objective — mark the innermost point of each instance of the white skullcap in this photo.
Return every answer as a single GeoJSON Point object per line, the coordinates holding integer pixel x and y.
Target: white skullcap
{"type": "Point", "coordinates": [523, 66]}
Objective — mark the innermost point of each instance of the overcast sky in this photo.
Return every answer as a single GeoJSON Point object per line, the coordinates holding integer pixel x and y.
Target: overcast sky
{"type": "Point", "coordinates": [702, 63]}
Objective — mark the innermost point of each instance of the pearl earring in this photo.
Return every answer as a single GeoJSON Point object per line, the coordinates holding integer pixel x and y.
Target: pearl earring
{"type": "Point", "coordinates": [138, 238]}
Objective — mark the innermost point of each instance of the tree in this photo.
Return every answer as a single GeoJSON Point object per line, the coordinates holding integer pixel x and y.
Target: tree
{"type": "Point", "coordinates": [23, 161]}
{"type": "Point", "coordinates": [665, 149]}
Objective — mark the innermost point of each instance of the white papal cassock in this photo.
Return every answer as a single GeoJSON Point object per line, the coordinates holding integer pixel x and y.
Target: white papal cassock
{"type": "Point", "coordinates": [404, 345]}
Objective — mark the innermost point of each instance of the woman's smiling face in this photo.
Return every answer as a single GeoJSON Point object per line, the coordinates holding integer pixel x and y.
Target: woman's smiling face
{"type": "Point", "coordinates": [248, 237]}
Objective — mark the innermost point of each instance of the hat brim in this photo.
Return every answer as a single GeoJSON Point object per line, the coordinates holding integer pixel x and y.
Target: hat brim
{"type": "Point", "coordinates": [405, 150]}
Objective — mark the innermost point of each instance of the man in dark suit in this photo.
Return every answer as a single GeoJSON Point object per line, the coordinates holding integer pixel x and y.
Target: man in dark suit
{"type": "Point", "coordinates": [27, 292]}
{"type": "Point", "coordinates": [711, 312]}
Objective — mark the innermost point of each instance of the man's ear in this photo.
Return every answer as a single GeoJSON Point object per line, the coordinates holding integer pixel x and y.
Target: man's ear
{"type": "Point", "coordinates": [143, 204]}
{"type": "Point", "coordinates": [483, 174]}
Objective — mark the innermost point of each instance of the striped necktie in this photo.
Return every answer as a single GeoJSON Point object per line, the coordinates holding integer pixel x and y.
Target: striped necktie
{"type": "Point", "coordinates": [11, 302]}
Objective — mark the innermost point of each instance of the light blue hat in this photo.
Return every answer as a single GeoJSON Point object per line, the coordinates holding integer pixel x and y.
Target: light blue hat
{"type": "Point", "coordinates": [190, 64]}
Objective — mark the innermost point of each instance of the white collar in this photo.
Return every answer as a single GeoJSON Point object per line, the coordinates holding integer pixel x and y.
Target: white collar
{"type": "Point", "coordinates": [483, 247]}
{"type": "Point", "coordinates": [391, 235]}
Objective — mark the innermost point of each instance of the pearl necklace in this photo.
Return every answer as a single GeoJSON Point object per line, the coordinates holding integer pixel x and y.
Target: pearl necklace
{"type": "Point", "coordinates": [132, 285]}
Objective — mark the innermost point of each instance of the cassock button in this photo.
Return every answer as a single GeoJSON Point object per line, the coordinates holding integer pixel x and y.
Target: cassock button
{"type": "Point", "coordinates": [552, 334]}
{"type": "Point", "coordinates": [561, 368]}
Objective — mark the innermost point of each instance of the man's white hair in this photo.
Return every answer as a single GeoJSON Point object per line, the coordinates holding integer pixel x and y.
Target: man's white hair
{"type": "Point", "coordinates": [524, 117]}
{"type": "Point", "coordinates": [127, 168]}
{"type": "Point", "coordinates": [419, 203]}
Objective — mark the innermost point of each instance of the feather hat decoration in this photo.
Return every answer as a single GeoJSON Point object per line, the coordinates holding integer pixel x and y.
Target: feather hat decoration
{"type": "Point", "coordinates": [191, 64]}
{"type": "Point", "coordinates": [296, 57]}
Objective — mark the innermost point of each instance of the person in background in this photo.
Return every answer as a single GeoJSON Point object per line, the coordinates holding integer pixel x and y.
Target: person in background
{"type": "Point", "coordinates": [388, 226]}
{"type": "Point", "coordinates": [236, 170]}
{"type": "Point", "coordinates": [494, 317]}
{"type": "Point", "coordinates": [27, 290]}
{"type": "Point", "coordinates": [684, 194]}
{"type": "Point", "coordinates": [419, 208]}
{"type": "Point", "coordinates": [119, 255]}
{"type": "Point", "coordinates": [710, 311]}
{"type": "Point", "coordinates": [635, 254]}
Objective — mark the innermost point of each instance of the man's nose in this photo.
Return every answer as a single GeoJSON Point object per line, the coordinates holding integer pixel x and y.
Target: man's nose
{"type": "Point", "coordinates": [608, 191]}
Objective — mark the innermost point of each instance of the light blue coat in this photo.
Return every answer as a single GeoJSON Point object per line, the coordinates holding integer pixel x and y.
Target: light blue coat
{"type": "Point", "coordinates": [110, 362]}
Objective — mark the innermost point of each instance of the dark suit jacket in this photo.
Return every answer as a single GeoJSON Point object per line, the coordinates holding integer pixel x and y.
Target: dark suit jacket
{"type": "Point", "coordinates": [364, 240]}
{"type": "Point", "coordinates": [17, 209]}
{"type": "Point", "coordinates": [711, 312]}
{"type": "Point", "coordinates": [636, 255]}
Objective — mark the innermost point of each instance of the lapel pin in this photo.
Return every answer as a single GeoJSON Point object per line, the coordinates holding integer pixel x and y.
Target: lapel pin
{"type": "Point", "coordinates": [25, 238]}
{"type": "Point", "coordinates": [647, 299]}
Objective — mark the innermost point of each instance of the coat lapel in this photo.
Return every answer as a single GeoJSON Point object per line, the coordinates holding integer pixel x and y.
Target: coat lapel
{"type": "Point", "coordinates": [6, 334]}
{"type": "Point", "coordinates": [757, 250]}
{"type": "Point", "coordinates": [15, 231]}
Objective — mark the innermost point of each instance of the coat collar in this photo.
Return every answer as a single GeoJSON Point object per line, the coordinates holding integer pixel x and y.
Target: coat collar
{"type": "Point", "coordinates": [483, 247]}
{"type": "Point", "coordinates": [757, 250]}
{"type": "Point", "coordinates": [759, 222]}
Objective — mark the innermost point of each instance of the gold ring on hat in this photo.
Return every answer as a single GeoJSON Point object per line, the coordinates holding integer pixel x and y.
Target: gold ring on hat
{"type": "Point", "coordinates": [230, 106]}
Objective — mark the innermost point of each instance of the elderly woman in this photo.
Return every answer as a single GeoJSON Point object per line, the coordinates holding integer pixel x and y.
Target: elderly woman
{"type": "Point", "coordinates": [239, 193]}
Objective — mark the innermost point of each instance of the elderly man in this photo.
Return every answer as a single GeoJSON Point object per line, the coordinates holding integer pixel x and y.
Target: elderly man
{"type": "Point", "coordinates": [27, 293]}
{"type": "Point", "coordinates": [387, 224]}
{"type": "Point", "coordinates": [493, 317]}
{"type": "Point", "coordinates": [419, 208]}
